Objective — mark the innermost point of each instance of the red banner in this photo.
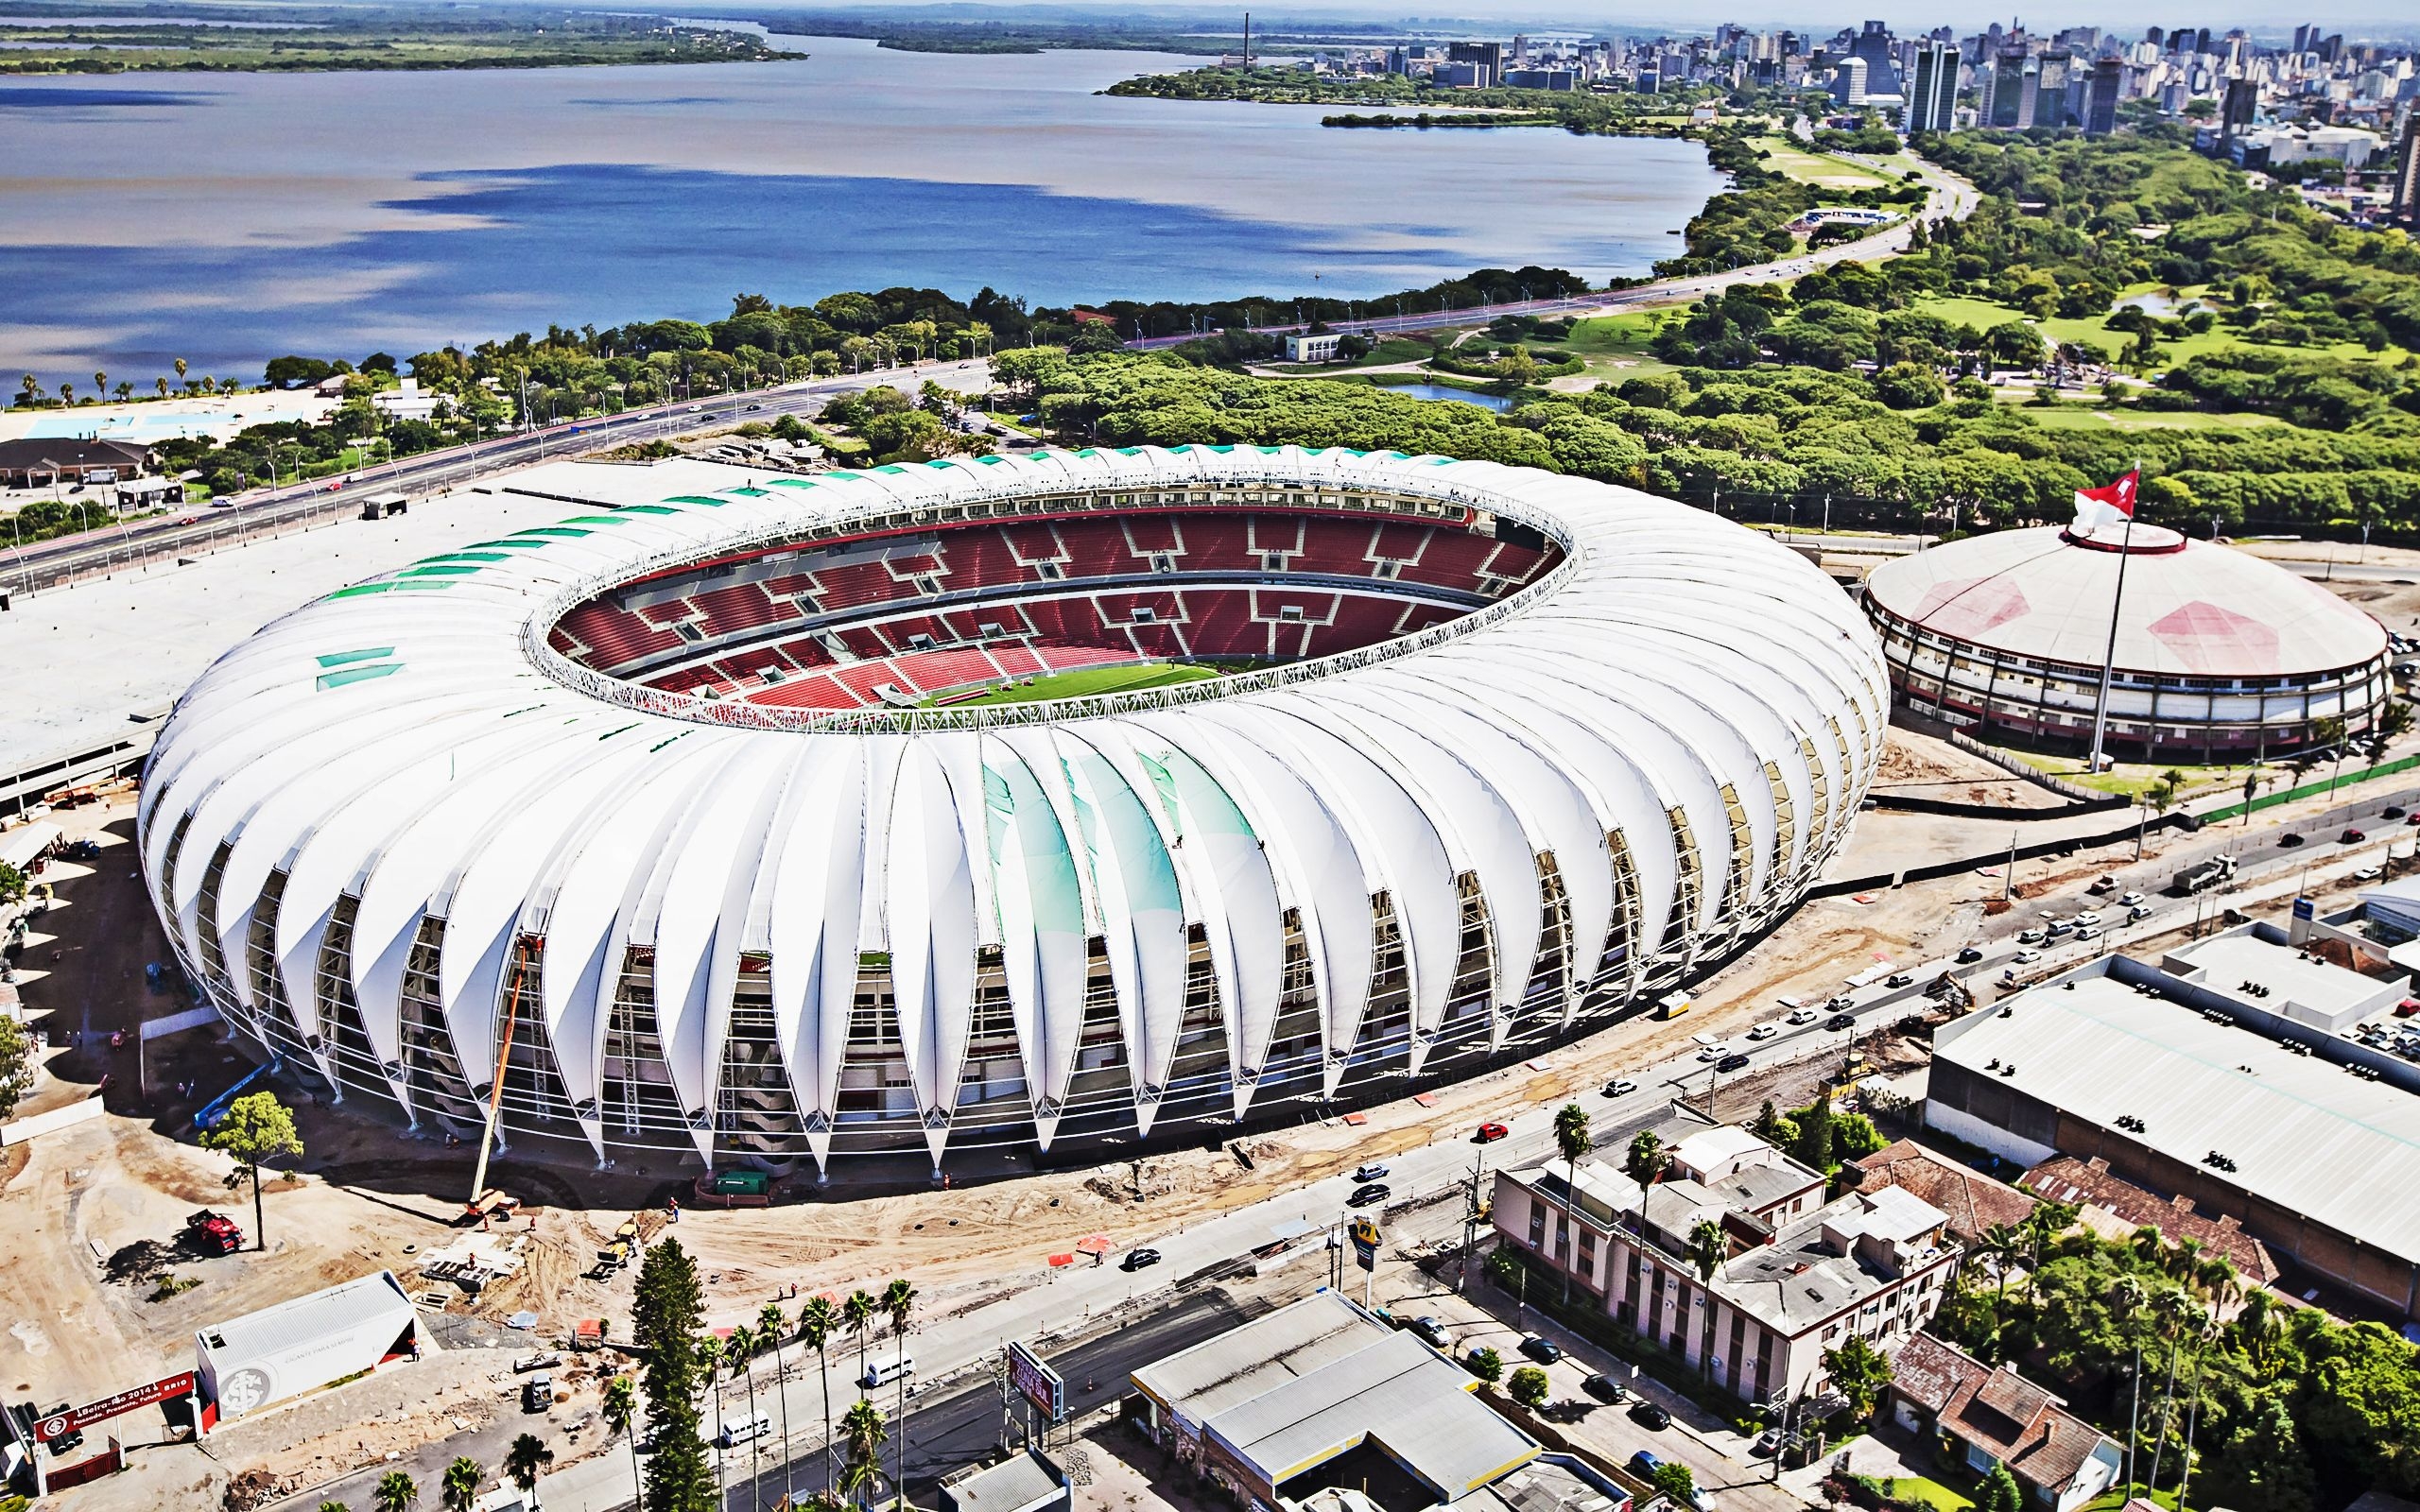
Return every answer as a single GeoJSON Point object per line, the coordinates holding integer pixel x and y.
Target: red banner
{"type": "Point", "coordinates": [59, 1425]}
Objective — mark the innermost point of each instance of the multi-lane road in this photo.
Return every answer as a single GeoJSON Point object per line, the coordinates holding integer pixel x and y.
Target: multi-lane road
{"type": "Point", "coordinates": [265, 511]}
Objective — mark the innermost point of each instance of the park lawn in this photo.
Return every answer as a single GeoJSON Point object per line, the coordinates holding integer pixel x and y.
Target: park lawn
{"type": "Point", "coordinates": [1086, 681]}
{"type": "Point", "coordinates": [1819, 168]}
{"type": "Point", "coordinates": [2133, 779]}
{"type": "Point", "coordinates": [1386, 354]}
{"type": "Point", "coordinates": [2076, 416]}
{"type": "Point", "coordinates": [2094, 331]}
{"type": "Point", "coordinates": [1931, 1492]}
{"type": "Point", "coordinates": [1617, 346]}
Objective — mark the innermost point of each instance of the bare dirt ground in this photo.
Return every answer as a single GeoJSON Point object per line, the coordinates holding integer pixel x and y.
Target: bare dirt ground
{"type": "Point", "coordinates": [1923, 766]}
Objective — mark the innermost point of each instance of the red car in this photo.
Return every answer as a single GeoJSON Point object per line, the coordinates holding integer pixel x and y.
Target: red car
{"type": "Point", "coordinates": [1490, 1133]}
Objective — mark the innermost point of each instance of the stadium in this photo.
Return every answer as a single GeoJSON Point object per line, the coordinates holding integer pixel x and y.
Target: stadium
{"type": "Point", "coordinates": [1035, 805]}
{"type": "Point", "coordinates": [2220, 656]}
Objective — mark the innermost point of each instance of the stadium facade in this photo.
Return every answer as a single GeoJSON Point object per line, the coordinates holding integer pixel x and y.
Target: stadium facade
{"type": "Point", "coordinates": [2218, 655]}
{"type": "Point", "coordinates": [678, 812]}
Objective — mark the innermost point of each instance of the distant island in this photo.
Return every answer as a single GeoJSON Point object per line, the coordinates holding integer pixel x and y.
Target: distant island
{"type": "Point", "coordinates": [41, 36]}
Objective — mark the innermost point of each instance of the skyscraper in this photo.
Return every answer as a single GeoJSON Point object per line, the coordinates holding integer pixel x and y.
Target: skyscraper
{"type": "Point", "coordinates": [1848, 82]}
{"type": "Point", "coordinates": [1932, 105]}
{"type": "Point", "coordinates": [2048, 96]}
{"type": "Point", "coordinates": [1873, 47]}
{"type": "Point", "coordinates": [2004, 85]}
{"type": "Point", "coordinates": [2101, 95]}
{"type": "Point", "coordinates": [2243, 99]}
{"type": "Point", "coordinates": [2407, 177]}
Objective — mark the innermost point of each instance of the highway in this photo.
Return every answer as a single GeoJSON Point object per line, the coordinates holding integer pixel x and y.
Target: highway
{"type": "Point", "coordinates": [1949, 197]}
{"type": "Point", "coordinates": [263, 511]}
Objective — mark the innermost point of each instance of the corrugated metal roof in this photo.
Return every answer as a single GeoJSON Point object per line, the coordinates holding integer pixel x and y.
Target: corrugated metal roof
{"type": "Point", "coordinates": [287, 1325]}
{"type": "Point", "coordinates": [2303, 1134]}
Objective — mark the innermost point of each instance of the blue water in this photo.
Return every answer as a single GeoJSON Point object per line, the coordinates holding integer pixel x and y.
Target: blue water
{"type": "Point", "coordinates": [1497, 402]}
{"type": "Point", "coordinates": [227, 218]}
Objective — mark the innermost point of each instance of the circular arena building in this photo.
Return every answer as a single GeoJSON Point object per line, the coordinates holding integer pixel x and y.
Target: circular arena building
{"type": "Point", "coordinates": [2221, 655]}
{"type": "Point", "coordinates": [1050, 802]}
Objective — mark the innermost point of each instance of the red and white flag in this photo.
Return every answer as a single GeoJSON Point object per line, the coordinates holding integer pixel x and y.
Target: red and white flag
{"type": "Point", "coordinates": [2109, 506]}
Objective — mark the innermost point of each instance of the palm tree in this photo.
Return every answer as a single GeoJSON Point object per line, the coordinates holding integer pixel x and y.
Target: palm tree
{"type": "Point", "coordinates": [460, 1490]}
{"type": "Point", "coordinates": [2129, 1294]}
{"type": "Point", "coordinates": [181, 369]}
{"type": "Point", "coordinates": [66, 395]}
{"type": "Point", "coordinates": [1571, 1138]}
{"type": "Point", "coordinates": [2177, 1312]}
{"type": "Point", "coordinates": [770, 1325]}
{"type": "Point", "coordinates": [710, 1360]}
{"type": "Point", "coordinates": [164, 387]}
{"type": "Point", "coordinates": [816, 1322]}
{"type": "Point", "coordinates": [859, 1311]}
{"type": "Point", "coordinates": [742, 1351]}
{"type": "Point", "coordinates": [101, 384]}
{"type": "Point", "coordinates": [620, 1410]}
{"type": "Point", "coordinates": [862, 1428]}
{"type": "Point", "coordinates": [899, 1302]}
{"type": "Point", "coordinates": [526, 1461]}
{"type": "Point", "coordinates": [125, 390]}
{"type": "Point", "coordinates": [396, 1492]}
{"type": "Point", "coordinates": [1707, 1248]}
{"type": "Point", "coordinates": [2002, 1244]}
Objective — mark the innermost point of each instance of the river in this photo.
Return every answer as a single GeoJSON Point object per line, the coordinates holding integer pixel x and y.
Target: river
{"type": "Point", "coordinates": [227, 217]}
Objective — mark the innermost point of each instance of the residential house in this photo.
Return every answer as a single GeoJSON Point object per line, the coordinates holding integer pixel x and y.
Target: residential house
{"type": "Point", "coordinates": [1973, 1201]}
{"type": "Point", "coordinates": [1979, 1417]}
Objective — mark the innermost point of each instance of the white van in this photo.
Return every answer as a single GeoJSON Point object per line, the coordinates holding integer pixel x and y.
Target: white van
{"type": "Point", "coordinates": [886, 1372]}
{"type": "Point", "coordinates": [746, 1432]}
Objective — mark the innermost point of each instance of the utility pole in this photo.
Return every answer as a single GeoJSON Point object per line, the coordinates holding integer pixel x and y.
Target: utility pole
{"type": "Point", "coordinates": [1470, 1224]}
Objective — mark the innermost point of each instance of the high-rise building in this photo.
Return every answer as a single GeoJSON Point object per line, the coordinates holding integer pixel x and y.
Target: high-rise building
{"type": "Point", "coordinates": [1485, 61]}
{"type": "Point", "coordinates": [1874, 48]}
{"type": "Point", "coordinates": [2047, 99]}
{"type": "Point", "coordinates": [2242, 101]}
{"type": "Point", "coordinates": [1848, 82]}
{"type": "Point", "coordinates": [1932, 104]}
{"type": "Point", "coordinates": [2302, 37]}
{"type": "Point", "coordinates": [2407, 177]}
{"type": "Point", "coordinates": [2101, 87]}
{"type": "Point", "coordinates": [2003, 88]}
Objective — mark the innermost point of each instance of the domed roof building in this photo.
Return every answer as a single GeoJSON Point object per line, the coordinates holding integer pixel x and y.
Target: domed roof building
{"type": "Point", "coordinates": [2220, 656]}
{"type": "Point", "coordinates": [691, 820]}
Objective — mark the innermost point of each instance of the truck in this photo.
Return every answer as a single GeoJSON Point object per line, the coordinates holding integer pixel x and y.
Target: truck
{"type": "Point", "coordinates": [2203, 875]}
{"type": "Point", "coordinates": [213, 1233]}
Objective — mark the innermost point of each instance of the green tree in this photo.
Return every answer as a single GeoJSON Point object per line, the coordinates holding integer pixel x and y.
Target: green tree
{"type": "Point", "coordinates": [1999, 1492]}
{"type": "Point", "coordinates": [739, 1349]}
{"type": "Point", "coordinates": [2260, 1466]}
{"type": "Point", "coordinates": [620, 1410]}
{"type": "Point", "coordinates": [1815, 1133]}
{"type": "Point", "coordinates": [1858, 1373]}
{"type": "Point", "coordinates": [16, 1065]}
{"type": "Point", "coordinates": [899, 1306]}
{"type": "Point", "coordinates": [1648, 1159]}
{"type": "Point", "coordinates": [395, 1492]}
{"type": "Point", "coordinates": [1571, 1141]}
{"type": "Point", "coordinates": [665, 1318]}
{"type": "Point", "coordinates": [816, 1322]}
{"type": "Point", "coordinates": [862, 1434]}
{"type": "Point", "coordinates": [1530, 1386]}
{"type": "Point", "coordinates": [460, 1488]}
{"type": "Point", "coordinates": [1485, 1364]}
{"type": "Point", "coordinates": [255, 1129]}
{"type": "Point", "coordinates": [771, 1324]}
{"type": "Point", "coordinates": [1678, 1482]}
{"type": "Point", "coordinates": [527, 1460]}
{"type": "Point", "coordinates": [858, 1311]}
{"type": "Point", "coordinates": [1707, 1248]}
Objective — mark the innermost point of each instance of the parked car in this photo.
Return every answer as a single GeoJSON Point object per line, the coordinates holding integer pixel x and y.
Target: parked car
{"type": "Point", "coordinates": [1767, 1444]}
{"type": "Point", "coordinates": [1764, 1031]}
{"type": "Point", "coordinates": [1733, 1061]}
{"type": "Point", "coordinates": [1541, 1348]}
{"type": "Point", "coordinates": [1490, 1133]}
{"type": "Point", "coordinates": [1433, 1330]}
{"type": "Point", "coordinates": [1605, 1388]}
{"type": "Point", "coordinates": [1644, 1462]}
{"type": "Point", "coordinates": [1620, 1086]}
{"type": "Point", "coordinates": [1139, 1259]}
{"type": "Point", "coordinates": [1714, 1051]}
{"type": "Point", "coordinates": [1649, 1415]}
{"type": "Point", "coordinates": [1371, 1194]}
{"type": "Point", "coordinates": [1899, 979]}
{"type": "Point", "coordinates": [1369, 1170]}
{"type": "Point", "coordinates": [1802, 1015]}
{"type": "Point", "coordinates": [538, 1393]}
{"type": "Point", "coordinates": [1840, 1002]}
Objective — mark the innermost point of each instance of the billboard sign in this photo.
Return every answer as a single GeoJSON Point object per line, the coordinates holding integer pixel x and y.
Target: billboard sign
{"type": "Point", "coordinates": [60, 1424]}
{"type": "Point", "coordinates": [1037, 1382]}
{"type": "Point", "coordinates": [1365, 1242]}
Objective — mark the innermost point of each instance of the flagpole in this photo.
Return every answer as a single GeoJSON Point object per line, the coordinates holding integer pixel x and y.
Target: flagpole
{"type": "Point", "coordinates": [2109, 662]}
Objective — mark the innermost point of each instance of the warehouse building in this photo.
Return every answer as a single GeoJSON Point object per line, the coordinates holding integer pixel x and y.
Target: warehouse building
{"type": "Point", "coordinates": [2241, 1076]}
{"type": "Point", "coordinates": [1320, 1404]}
{"type": "Point", "coordinates": [262, 1359]}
